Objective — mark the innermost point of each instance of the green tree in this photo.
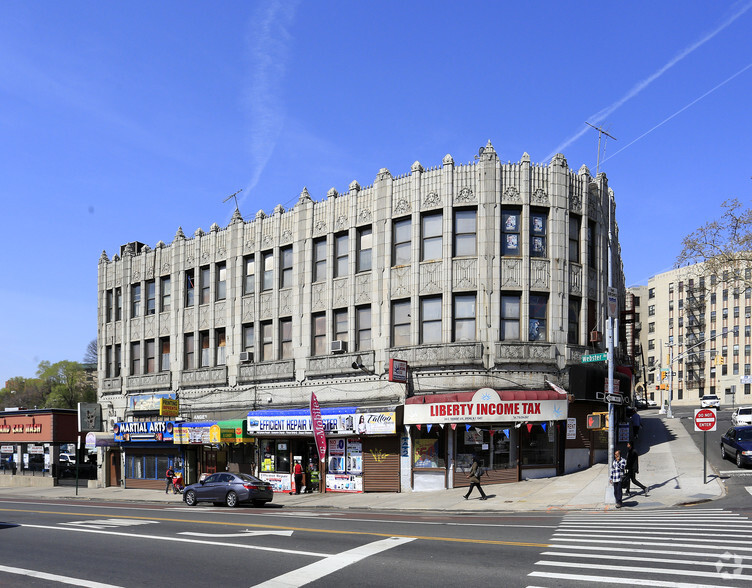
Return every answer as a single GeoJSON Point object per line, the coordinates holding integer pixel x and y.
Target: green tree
{"type": "Point", "coordinates": [69, 384]}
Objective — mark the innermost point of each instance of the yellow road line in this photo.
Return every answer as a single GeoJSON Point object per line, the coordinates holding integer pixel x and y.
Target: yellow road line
{"type": "Point", "coordinates": [284, 528]}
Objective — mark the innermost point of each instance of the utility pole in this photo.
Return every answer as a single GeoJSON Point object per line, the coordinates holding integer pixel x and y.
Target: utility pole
{"type": "Point", "coordinates": [610, 335]}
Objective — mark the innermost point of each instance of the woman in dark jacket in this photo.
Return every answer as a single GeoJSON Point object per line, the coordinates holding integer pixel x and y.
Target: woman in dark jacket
{"type": "Point", "coordinates": [475, 479]}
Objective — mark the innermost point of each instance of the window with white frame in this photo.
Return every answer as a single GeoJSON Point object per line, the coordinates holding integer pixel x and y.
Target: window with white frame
{"type": "Point", "coordinates": [285, 262]}
{"type": "Point", "coordinates": [340, 324]}
{"type": "Point", "coordinates": [400, 323]}
{"type": "Point", "coordinates": [318, 321]}
{"type": "Point", "coordinates": [190, 351]}
{"type": "Point", "coordinates": [267, 281]}
{"type": "Point", "coordinates": [221, 280]}
{"type": "Point", "coordinates": [430, 319]}
{"type": "Point", "coordinates": [249, 274]}
{"type": "Point", "coordinates": [285, 334]}
{"type": "Point", "coordinates": [538, 232]}
{"type": "Point", "coordinates": [363, 328]}
{"type": "Point", "coordinates": [510, 232]}
{"type": "Point", "coordinates": [464, 313]}
{"type": "Point", "coordinates": [364, 246]}
{"type": "Point", "coordinates": [431, 236]}
{"type": "Point", "coordinates": [319, 260]}
{"type": "Point", "coordinates": [165, 292]}
{"type": "Point", "coordinates": [574, 239]}
{"type": "Point", "coordinates": [135, 300]}
{"type": "Point", "coordinates": [221, 344]}
{"type": "Point", "coordinates": [465, 232]}
{"type": "Point", "coordinates": [401, 241]}
{"type": "Point", "coordinates": [204, 285]}
{"type": "Point", "coordinates": [510, 317]}
{"type": "Point", "coordinates": [341, 252]}
{"type": "Point", "coordinates": [537, 323]}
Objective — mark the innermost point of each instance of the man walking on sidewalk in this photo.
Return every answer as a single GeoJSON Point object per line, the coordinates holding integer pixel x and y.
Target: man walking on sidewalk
{"type": "Point", "coordinates": [633, 468]}
{"type": "Point", "coordinates": [616, 475]}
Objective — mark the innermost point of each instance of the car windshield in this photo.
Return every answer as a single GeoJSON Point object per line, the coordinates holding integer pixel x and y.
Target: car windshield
{"type": "Point", "coordinates": [710, 397]}
{"type": "Point", "coordinates": [744, 435]}
{"type": "Point", "coordinates": [745, 411]}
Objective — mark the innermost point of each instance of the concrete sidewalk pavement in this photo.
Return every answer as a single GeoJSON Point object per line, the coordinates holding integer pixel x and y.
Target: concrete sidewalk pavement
{"type": "Point", "coordinates": [670, 465]}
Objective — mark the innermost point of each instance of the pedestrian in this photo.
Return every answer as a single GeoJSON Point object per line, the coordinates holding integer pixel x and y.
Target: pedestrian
{"type": "Point", "coordinates": [298, 471]}
{"type": "Point", "coordinates": [475, 474]}
{"type": "Point", "coordinates": [633, 468]}
{"type": "Point", "coordinates": [169, 475]}
{"type": "Point", "coordinates": [309, 469]}
{"type": "Point", "coordinates": [636, 424]}
{"type": "Point", "coordinates": [616, 475]}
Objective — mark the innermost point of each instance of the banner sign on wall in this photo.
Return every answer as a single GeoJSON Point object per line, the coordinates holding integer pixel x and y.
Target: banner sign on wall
{"type": "Point", "coordinates": [317, 425]}
{"type": "Point", "coordinates": [144, 431]}
{"type": "Point", "coordinates": [336, 421]}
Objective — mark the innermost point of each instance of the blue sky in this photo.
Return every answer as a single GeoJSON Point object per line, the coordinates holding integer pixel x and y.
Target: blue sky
{"type": "Point", "coordinates": [124, 121]}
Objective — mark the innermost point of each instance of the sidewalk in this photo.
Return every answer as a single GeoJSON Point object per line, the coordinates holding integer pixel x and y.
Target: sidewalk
{"type": "Point", "coordinates": [670, 465]}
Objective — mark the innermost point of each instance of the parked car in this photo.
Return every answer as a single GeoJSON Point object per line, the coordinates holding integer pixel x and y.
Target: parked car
{"type": "Point", "coordinates": [742, 416]}
{"type": "Point", "coordinates": [229, 489]}
{"type": "Point", "coordinates": [710, 401]}
{"type": "Point", "coordinates": [652, 403]}
{"type": "Point", "coordinates": [640, 404]}
{"type": "Point", "coordinates": [737, 443]}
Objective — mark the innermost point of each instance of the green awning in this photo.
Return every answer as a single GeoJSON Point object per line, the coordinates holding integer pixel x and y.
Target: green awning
{"type": "Point", "coordinates": [234, 431]}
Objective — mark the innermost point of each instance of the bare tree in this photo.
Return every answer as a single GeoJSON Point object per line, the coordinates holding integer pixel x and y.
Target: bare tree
{"type": "Point", "coordinates": [90, 356]}
{"type": "Point", "coordinates": [722, 246]}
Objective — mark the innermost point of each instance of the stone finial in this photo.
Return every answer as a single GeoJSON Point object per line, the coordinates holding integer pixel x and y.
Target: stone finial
{"type": "Point", "coordinates": [103, 258]}
{"type": "Point", "coordinates": [525, 158]}
{"type": "Point", "coordinates": [145, 249]}
{"type": "Point", "coordinates": [354, 186]}
{"type": "Point", "coordinates": [448, 160]}
{"type": "Point", "coordinates": [559, 160]}
{"type": "Point", "coordinates": [487, 153]}
{"type": "Point", "coordinates": [304, 196]}
{"type": "Point", "coordinates": [332, 193]}
{"type": "Point", "coordinates": [384, 174]}
{"type": "Point", "coordinates": [160, 244]}
{"type": "Point", "coordinates": [116, 257]}
{"type": "Point", "coordinates": [416, 167]}
{"type": "Point", "coordinates": [214, 228]}
{"type": "Point", "coordinates": [236, 218]}
{"type": "Point", "coordinates": [128, 249]}
{"type": "Point", "coordinates": [584, 171]}
{"type": "Point", "coordinates": [179, 235]}
{"type": "Point", "coordinates": [199, 232]}
{"type": "Point", "coordinates": [279, 209]}
{"type": "Point", "coordinates": [260, 214]}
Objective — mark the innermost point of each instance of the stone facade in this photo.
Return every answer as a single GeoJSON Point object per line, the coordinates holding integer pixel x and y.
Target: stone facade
{"type": "Point", "coordinates": [411, 267]}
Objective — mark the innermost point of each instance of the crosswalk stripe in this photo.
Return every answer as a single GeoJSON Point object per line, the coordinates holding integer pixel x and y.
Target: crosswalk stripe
{"type": "Point", "coordinates": [670, 536]}
{"type": "Point", "coordinates": [610, 556]}
{"type": "Point", "coordinates": [632, 569]}
{"type": "Point", "coordinates": [674, 533]}
{"type": "Point", "coordinates": [609, 549]}
{"type": "Point", "coordinates": [648, 543]}
{"type": "Point", "coordinates": [619, 580]}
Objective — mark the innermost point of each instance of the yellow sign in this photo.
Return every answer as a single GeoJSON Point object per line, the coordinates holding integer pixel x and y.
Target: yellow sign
{"type": "Point", "coordinates": [169, 407]}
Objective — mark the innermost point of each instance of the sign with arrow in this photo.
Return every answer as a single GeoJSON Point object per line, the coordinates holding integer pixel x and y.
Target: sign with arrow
{"type": "Point", "coordinates": [614, 398]}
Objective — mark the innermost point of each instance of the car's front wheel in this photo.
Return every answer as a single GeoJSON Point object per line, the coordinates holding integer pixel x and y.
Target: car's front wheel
{"type": "Point", "coordinates": [723, 452]}
{"type": "Point", "coordinates": [232, 499]}
{"type": "Point", "coordinates": [738, 459]}
{"type": "Point", "coordinates": [190, 498]}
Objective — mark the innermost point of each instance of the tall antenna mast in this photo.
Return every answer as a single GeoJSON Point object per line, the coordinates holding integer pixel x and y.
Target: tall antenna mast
{"type": "Point", "coordinates": [235, 196]}
{"type": "Point", "coordinates": [600, 132]}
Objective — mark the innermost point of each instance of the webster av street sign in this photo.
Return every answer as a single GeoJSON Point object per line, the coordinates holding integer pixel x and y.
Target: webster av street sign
{"type": "Point", "coordinates": [594, 357]}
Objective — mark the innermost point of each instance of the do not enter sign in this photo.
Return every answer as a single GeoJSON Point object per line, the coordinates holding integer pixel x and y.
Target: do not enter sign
{"type": "Point", "coordinates": [705, 419]}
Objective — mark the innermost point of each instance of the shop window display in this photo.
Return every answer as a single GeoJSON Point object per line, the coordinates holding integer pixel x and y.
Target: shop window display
{"type": "Point", "coordinates": [429, 448]}
{"type": "Point", "coordinates": [496, 447]}
{"type": "Point", "coordinates": [537, 444]}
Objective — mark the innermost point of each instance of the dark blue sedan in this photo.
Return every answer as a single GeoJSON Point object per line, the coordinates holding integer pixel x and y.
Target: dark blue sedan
{"type": "Point", "coordinates": [229, 489]}
{"type": "Point", "coordinates": [737, 443]}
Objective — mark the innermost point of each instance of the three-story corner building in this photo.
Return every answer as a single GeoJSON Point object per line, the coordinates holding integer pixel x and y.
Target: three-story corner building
{"type": "Point", "coordinates": [426, 312]}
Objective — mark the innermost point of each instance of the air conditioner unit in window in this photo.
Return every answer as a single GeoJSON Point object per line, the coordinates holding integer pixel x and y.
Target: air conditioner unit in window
{"type": "Point", "coordinates": [339, 346]}
{"type": "Point", "coordinates": [246, 356]}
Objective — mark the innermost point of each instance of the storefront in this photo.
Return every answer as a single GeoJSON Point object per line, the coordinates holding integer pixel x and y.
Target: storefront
{"type": "Point", "coordinates": [362, 448]}
{"type": "Point", "coordinates": [30, 440]}
{"type": "Point", "coordinates": [515, 434]}
{"type": "Point", "coordinates": [148, 451]}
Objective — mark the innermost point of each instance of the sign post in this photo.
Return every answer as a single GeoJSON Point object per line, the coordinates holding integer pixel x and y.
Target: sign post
{"type": "Point", "coordinates": [705, 420]}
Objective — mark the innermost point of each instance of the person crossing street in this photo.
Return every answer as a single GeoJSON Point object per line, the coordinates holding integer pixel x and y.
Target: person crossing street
{"type": "Point", "coordinates": [616, 475]}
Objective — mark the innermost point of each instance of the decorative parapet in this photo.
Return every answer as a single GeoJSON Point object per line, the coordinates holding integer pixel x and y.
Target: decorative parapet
{"type": "Point", "coordinates": [444, 354]}
{"type": "Point", "coordinates": [160, 381]}
{"type": "Point", "coordinates": [112, 385]}
{"type": "Point", "coordinates": [524, 352]}
{"type": "Point", "coordinates": [266, 371]}
{"type": "Point", "coordinates": [338, 364]}
{"type": "Point", "coordinates": [212, 376]}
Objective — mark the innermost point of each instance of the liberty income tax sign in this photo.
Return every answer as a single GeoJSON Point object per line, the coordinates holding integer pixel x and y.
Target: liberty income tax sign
{"type": "Point", "coordinates": [705, 419]}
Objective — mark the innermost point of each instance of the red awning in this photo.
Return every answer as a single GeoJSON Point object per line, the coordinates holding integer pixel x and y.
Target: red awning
{"type": "Point", "coordinates": [505, 395]}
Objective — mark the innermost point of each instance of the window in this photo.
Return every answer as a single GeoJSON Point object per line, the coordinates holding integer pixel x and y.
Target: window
{"type": "Point", "coordinates": [285, 330]}
{"type": "Point", "coordinates": [190, 352]}
{"type": "Point", "coordinates": [190, 289]}
{"type": "Point", "coordinates": [651, 310]}
{"type": "Point", "coordinates": [267, 341]}
{"type": "Point", "coordinates": [429, 448]}
{"type": "Point", "coordinates": [203, 358]}
{"type": "Point", "coordinates": [574, 239]}
{"type": "Point", "coordinates": [118, 362]}
{"type": "Point", "coordinates": [285, 262]}
{"type": "Point", "coordinates": [651, 327]}
{"type": "Point", "coordinates": [510, 317]}
{"type": "Point", "coordinates": [401, 323]}
{"type": "Point", "coordinates": [249, 341]}
{"type": "Point", "coordinates": [165, 290]}
{"type": "Point", "coordinates": [109, 301]}
{"type": "Point", "coordinates": [363, 328]}
{"type": "Point", "coordinates": [573, 321]}
{"type": "Point", "coordinates": [464, 317]}
{"type": "Point", "coordinates": [364, 245]}
{"type": "Point", "coordinates": [340, 255]}
{"type": "Point", "coordinates": [465, 231]}
{"type": "Point", "coordinates": [151, 297]}
{"type": "Point", "coordinates": [108, 361]}
{"type": "Point", "coordinates": [267, 260]}
{"type": "Point", "coordinates": [221, 281]}
{"type": "Point", "coordinates": [164, 354]}
{"type": "Point", "coordinates": [538, 314]}
{"type": "Point", "coordinates": [135, 300]}
{"type": "Point", "coordinates": [430, 319]}
{"type": "Point", "coordinates": [151, 356]}
{"type": "Point", "coordinates": [205, 285]}
{"type": "Point", "coordinates": [725, 313]}
{"type": "Point", "coordinates": [401, 241]}
{"type": "Point", "coordinates": [219, 338]}
{"type": "Point", "coordinates": [135, 359]}
{"type": "Point", "coordinates": [431, 236]}
{"type": "Point", "coordinates": [536, 445]}
{"type": "Point", "coordinates": [319, 260]}
{"type": "Point", "coordinates": [592, 245]}
{"type": "Point", "coordinates": [538, 225]}
{"type": "Point", "coordinates": [340, 325]}
{"type": "Point", "coordinates": [249, 274]}
{"type": "Point", "coordinates": [651, 293]}
{"type": "Point", "coordinates": [736, 312]}
{"type": "Point", "coordinates": [319, 333]}
{"type": "Point", "coordinates": [651, 344]}
{"type": "Point", "coordinates": [118, 304]}
{"type": "Point", "coordinates": [510, 232]}
{"type": "Point", "coordinates": [736, 349]}
{"type": "Point", "coordinates": [712, 298]}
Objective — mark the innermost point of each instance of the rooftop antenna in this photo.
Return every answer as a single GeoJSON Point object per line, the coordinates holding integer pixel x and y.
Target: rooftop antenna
{"type": "Point", "coordinates": [600, 132]}
{"type": "Point", "coordinates": [235, 196]}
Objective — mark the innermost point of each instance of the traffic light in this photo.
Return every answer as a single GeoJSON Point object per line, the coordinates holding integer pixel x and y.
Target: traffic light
{"type": "Point", "coordinates": [597, 420]}
{"type": "Point", "coordinates": [719, 360]}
